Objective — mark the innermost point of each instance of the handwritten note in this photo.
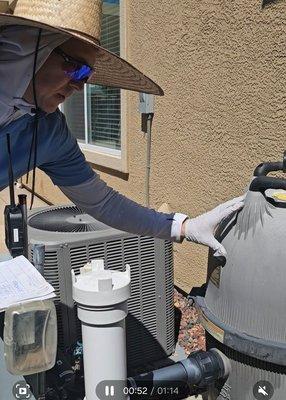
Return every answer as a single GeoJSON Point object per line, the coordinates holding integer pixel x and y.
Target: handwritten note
{"type": "Point", "coordinates": [20, 281]}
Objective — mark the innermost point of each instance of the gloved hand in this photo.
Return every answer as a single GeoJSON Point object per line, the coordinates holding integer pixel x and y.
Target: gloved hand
{"type": "Point", "coordinates": [202, 228]}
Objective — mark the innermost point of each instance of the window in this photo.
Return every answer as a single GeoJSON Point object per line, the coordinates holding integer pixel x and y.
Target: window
{"type": "Point", "coordinates": [95, 115]}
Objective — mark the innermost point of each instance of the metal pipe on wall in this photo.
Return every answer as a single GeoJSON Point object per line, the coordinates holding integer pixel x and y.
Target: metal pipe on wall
{"type": "Point", "coordinates": [146, 108]}
{"type": "Point", "coordinates": [148, 159]}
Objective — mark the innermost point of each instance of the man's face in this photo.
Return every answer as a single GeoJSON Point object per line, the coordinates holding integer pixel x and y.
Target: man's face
{"type": "Point", "coordinates": [53, 86]}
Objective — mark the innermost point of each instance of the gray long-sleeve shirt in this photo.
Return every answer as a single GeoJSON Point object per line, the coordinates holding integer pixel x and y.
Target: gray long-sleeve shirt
{"type": "Point", "coordinates": [110, 207]}
{"type": "Point", "coordinates": [58, 155]}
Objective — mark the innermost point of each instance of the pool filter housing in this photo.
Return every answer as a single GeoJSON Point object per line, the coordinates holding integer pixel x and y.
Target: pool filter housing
{"type": "Point", "coordinates": [243, 309]}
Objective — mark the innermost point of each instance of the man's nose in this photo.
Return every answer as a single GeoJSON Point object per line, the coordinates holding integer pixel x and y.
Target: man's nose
{"type": "Point", "coordinates": [77, 85]}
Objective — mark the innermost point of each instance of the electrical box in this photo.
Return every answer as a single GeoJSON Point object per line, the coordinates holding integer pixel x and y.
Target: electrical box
{"type": "Point", "coordinates": [146, 103]}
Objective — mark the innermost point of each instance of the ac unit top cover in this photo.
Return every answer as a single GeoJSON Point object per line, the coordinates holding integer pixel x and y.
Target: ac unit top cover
{"type": "Point", "coordinates": [67, 224]}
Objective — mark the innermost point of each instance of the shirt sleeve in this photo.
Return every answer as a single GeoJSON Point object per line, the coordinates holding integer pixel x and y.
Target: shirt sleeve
{"type": "Point", "coordinates": [110, 207]}
{"type": "Point", "coordinates": [66, 164]}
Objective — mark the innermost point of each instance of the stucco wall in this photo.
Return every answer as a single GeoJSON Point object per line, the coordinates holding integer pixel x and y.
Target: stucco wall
{"type": "Point", "coordinates": [222, 65]}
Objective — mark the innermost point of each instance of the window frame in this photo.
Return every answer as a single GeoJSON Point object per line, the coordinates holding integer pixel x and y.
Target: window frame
{"type": "Point", "coordinates": [103, 156]}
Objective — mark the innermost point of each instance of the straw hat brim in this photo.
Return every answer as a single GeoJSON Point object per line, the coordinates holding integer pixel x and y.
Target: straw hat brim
{"type": "Point", "coordinates": [110, 69]}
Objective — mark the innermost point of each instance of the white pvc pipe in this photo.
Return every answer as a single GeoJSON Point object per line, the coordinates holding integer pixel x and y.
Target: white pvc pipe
{"type": "Point", "coordinates": [104, 353]}
{"type": "Point", "coordinates": [102, 297]}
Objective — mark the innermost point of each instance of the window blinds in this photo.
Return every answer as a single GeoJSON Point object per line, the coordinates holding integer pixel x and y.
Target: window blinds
{"type": "Point", "coordinates": [74, 112]}
{"type": "Point", "coordinates": [103, 103]}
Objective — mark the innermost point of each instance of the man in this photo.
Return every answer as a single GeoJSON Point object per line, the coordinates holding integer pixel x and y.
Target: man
{"type": "Point", "coordinates": [48, 50]}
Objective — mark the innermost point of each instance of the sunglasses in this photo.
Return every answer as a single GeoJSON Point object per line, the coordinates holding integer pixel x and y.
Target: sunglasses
{"type": "Point", "coordinates": [74, 69]}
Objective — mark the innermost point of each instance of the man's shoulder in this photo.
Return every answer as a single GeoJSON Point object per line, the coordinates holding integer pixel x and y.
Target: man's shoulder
{"type": "Point", "coordinates": [56, 117]}
{"type": "Point", "coordinates": [54, 124]}
{"type": "Point", "coordinates": [55, 137]}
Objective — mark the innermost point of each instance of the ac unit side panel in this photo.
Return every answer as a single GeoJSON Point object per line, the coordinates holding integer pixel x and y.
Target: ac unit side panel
{"type": "Point", "coordinates": [169, 288]}
{"type": "Point", "coordinates": [54, 274]}
{"type": "Point", "coordinates": [69, 321]}
{"type": "Point", "coordinates": [144, 257]}
{"type": "Point", "coordinates": [161, 294]}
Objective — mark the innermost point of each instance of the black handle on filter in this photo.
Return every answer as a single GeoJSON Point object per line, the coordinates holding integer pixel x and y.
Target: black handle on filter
{"type": "Point", "coordinates": [264, 168]}
{"type": "Point", "coordinates": [261, 183]}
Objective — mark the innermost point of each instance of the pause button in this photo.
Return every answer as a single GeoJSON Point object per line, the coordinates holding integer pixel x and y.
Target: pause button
{"type": "Point", "coordinates": [109, 391]}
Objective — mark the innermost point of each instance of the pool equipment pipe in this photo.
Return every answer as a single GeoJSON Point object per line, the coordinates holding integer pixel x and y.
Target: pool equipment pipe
{"type": "Point", "coordinates": [101, 296]}
{"type": "Point", "coordinates": [200, 370]}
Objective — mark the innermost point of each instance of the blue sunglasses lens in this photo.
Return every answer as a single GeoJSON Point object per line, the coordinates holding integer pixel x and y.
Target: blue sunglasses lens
{"type": "Point", "coordinates": [81, 73]}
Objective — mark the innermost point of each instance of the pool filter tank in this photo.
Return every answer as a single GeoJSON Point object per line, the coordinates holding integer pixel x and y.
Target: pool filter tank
{"type": "Point", "coordinates": [243, 309]}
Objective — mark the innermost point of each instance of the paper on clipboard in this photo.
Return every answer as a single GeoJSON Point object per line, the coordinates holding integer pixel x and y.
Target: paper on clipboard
{"type": "Point", "coordinates": [20, 281]}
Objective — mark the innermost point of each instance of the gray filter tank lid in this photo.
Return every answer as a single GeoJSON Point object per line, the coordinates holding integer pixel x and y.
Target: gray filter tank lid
{"type": "Point", "coordinates": [245, 301]}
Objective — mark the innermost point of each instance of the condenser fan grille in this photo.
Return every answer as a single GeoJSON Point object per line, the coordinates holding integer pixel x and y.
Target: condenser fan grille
{"type": "Point", "coordinates": [65, 219]}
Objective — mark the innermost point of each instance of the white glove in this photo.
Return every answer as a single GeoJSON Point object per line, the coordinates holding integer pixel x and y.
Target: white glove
{"type": "Point", "coordinates": [202, 228]}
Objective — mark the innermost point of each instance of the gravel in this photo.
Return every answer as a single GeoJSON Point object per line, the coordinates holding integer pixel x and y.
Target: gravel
{"type": "Point", "coordinates": [191, 335]}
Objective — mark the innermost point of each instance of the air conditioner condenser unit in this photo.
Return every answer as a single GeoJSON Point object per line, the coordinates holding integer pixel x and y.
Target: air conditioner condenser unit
{"type": "Point", "coordinates": [71, 239]}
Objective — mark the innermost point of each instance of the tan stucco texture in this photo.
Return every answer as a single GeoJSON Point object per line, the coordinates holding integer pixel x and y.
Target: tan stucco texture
{"type": "Point", "coordinates": [222, 65]}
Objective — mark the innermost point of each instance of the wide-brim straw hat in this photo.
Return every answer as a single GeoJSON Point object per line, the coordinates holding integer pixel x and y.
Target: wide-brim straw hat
{"type": "Point", "coordinates": [80, 19]}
